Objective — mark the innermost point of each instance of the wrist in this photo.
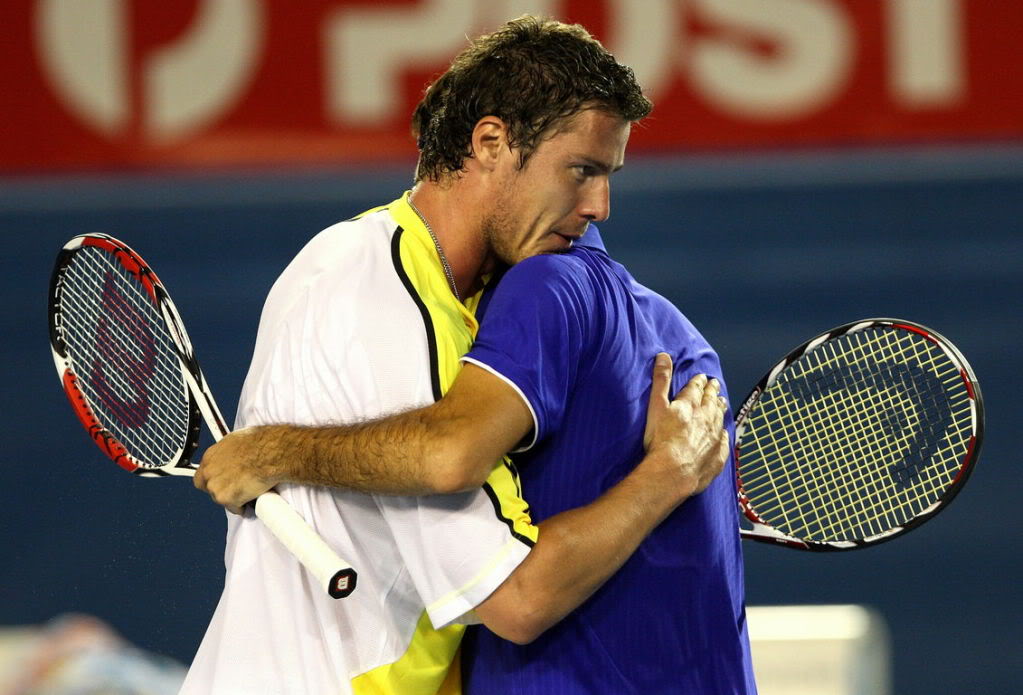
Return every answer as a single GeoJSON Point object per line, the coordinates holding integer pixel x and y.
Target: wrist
{"type": "Point", "coordinates": [269, 454]}
{"type": "Point", "coordinates": [662, 483]}
{"type": "Point", "coordinates": [674, 481]}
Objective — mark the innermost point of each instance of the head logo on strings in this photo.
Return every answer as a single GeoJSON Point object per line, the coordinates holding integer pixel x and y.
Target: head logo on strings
{"type": "Point", "coordinates": [892, 398]}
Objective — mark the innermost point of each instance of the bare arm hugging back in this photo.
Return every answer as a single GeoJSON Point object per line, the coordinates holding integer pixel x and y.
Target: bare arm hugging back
{"type": "Point", "coordinates": [449, 446]}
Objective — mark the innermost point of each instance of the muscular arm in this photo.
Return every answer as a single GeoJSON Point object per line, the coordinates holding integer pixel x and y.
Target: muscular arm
{"type": "Point", "coordinates": [449, 446]}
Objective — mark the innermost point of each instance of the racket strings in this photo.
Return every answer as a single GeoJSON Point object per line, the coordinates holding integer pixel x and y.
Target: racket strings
{"type": "Point", "coordinates": [858, 447]}
{"type": "Point", "coordinates": [854, 448]}
{"type": "Point", "coordinates": [112, 341]}
{"type": "Point", "coordinates": [125, 389]}
{"type": "Point", "coordinates": [114, 375]}
{"type": "Point", "coordinates": [125, 362]}
{"type": "Point", "coordinates": [856, 437]}
{"type": "Point", "coordinates": [120, 380]}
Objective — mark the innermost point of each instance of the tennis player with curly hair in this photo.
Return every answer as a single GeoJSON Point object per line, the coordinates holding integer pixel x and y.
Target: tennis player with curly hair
{"type": "Point", "coordinates": [518, 141]}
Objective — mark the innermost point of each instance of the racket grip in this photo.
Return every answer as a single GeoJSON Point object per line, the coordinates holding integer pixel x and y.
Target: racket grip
{"type": "Point", "coordinates": [335, 575]}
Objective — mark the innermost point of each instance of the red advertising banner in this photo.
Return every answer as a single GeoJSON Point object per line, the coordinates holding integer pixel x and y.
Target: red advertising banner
{"type": "Point", "coordinates": [102, 84]}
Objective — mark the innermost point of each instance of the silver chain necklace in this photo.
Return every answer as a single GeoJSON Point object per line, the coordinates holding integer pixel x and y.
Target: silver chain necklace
{"type": "Point", "coordinates": [440, 252]}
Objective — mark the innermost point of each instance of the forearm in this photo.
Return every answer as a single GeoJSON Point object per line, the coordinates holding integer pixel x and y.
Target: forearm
{"type": "Point", "coordinates": [413, 453]}
{"type": "Point", "coordinates": [577, 551]}
{"type": "Point", "coordinates": [448, 446]}
{"type": "Point", "coordinates": [382, 457]}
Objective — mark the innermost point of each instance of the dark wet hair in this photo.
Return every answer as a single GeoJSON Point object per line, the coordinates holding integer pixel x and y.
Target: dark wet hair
{"type": "Point", "coordinates": [531, 73]}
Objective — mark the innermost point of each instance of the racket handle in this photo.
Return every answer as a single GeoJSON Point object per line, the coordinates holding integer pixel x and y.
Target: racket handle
{"type": "Point", "coordinates": [332, 573]}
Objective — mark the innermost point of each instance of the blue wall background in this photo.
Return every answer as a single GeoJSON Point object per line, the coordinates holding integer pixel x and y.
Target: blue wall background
{"type": "Point", "coordinates": [760, 251]}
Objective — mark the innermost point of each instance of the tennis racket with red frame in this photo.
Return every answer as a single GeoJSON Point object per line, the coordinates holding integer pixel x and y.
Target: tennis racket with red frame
{"type": "Point", "coordinates": [129, 370]}
{"type": "Point", "coordinates": [857, 436]}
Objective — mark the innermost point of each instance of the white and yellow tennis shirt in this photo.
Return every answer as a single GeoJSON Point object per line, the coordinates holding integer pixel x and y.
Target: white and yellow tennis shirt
{"type": "Point", "coordinates": [361, 324]}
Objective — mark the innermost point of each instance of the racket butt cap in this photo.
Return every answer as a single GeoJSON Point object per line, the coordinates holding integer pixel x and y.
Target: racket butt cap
{"type": "Point", "coordinates": [342, 584]}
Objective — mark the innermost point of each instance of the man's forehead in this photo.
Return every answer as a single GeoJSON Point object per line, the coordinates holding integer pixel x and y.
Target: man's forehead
{"type": "Point", "coordinates": [588, 118]}
{"type": "Point", "coordinates": [599, 139]}
{"type": "Point", "coordinates": [593, 126]}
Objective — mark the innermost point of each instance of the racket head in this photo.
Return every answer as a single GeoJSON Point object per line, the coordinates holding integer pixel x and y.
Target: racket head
{"type": "Point", "coordinates": [121, 355]}
{"type": "Point", "coordinates": [857, 436]}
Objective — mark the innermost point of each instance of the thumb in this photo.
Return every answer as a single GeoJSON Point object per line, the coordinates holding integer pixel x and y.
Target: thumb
{"type": "Point", "coordinates": [199, 480]}
{"type": "Point", "coordinates": [659, 392]}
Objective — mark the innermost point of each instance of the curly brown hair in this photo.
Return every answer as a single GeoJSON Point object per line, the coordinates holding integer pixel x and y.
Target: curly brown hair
{"type": "Point", "coordinates": [531, 73]}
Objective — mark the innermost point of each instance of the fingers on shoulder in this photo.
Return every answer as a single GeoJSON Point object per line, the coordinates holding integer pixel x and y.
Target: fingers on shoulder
{"type": "Point", "coordinates": [693, 391]}
{"type": "Point", "coordinates": [704, 391]}
{"type": "Point", "coordinates": [712, 392]}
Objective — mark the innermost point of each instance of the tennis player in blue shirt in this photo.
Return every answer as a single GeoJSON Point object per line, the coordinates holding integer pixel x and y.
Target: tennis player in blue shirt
{"type": "Point", "coordinates": [574, 334]}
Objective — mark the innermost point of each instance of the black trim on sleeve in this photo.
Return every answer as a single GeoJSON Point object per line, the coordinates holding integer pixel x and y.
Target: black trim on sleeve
{"type": "Point", "coordinates": [508, 522]}
{"type": "Point", "coordinates": [510, 465]}
{"type": "Point", "coordinates": [431, 339]}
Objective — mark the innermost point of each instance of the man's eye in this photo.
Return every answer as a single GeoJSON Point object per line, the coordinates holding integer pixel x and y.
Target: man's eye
{"type": "Point", "coordinates": [584, 171]}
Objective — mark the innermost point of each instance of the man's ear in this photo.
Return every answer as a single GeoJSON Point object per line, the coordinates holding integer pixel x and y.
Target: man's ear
{"type": "Point", "coordinates": [490, 142]}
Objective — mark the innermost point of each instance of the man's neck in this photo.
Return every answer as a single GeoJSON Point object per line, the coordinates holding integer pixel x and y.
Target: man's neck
{"type": "Point", "coordinates": [454, 215]}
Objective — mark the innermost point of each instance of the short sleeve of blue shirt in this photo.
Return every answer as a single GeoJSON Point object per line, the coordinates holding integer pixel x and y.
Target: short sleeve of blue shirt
{"type": "Point", "coordinates": [546, 309]}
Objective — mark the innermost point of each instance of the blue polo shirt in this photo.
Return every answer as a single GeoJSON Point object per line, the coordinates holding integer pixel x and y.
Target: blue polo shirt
{"type": "Point", "coordinates": [577, 335]}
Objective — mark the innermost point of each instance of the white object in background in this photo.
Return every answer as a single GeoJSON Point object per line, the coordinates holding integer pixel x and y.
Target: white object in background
{"type": "Point", "coordinates": [819, 650]}
{"type": "Point", "coordinates": [74, 654]}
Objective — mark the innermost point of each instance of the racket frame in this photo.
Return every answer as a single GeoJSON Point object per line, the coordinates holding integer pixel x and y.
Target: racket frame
{"type": "Point", "coordinates": [765, 533]}
{"type": "Point", "coordinates": [181, 463]}
{"type": "Point", "coordinates": [335, 575]}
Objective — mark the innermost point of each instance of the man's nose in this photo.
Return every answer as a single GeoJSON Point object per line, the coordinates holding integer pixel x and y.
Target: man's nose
{"type": "Point", "coordinates": [596, 205]}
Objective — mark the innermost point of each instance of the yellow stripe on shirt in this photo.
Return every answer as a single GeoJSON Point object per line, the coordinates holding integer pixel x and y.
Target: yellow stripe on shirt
{"type": "Point", "coordinates": [451, 327]}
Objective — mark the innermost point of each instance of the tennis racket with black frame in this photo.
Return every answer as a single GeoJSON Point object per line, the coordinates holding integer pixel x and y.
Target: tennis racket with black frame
{"type": "Point", "coordinates": [857, 436]}
{"type": "Point", "coordinates": [128, 368]}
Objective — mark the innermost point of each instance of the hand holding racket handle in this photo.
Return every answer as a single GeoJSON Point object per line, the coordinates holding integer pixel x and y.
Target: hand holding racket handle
{"type": "Point", "coordinates": [332, 573]}
{"type": "Point", "coordinates": [335, 575]}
